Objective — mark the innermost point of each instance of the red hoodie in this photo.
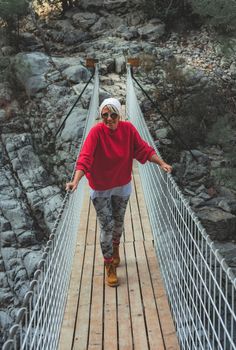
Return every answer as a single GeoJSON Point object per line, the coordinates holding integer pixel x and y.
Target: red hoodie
{"type": "Point", "coordinates": [107, 155]}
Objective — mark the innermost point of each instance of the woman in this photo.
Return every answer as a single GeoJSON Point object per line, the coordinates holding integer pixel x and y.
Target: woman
{"type": "Point", "coordinates": [106, 160]}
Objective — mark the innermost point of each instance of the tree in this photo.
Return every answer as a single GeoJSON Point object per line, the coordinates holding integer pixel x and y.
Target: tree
{"type": "Point", "coordinates": [165, 9]}
{"type": "Point", "coordinates": [220, 13]}
{"type": "Point", "coordinates": [64, 5]}
{"type": "Point", "coordinates": [11, 11]}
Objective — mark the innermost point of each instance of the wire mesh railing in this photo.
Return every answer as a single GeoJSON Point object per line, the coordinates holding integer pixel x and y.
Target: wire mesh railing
{"type": "Point", "coordinates": [38, 322]}
{"type": "Point", "coordinates": [201, 288]}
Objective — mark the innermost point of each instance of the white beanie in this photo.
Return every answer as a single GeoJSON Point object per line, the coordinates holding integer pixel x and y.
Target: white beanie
{"type": "Point", "coordinates": [111, 101]}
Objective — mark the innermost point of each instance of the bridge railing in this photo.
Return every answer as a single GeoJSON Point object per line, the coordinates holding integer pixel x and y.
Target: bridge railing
{"type": "Point", "coordinates": [39, 320]}
{"type": "Point", "coordinates": [201, 287]}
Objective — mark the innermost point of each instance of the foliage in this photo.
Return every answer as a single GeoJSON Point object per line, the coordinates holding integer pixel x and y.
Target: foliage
{"type": "Point", "coordinates": [222, 133]}
{"type": "Point", "coordinates": [163, 8]}
{"type": "Point", "coordinates": [189, 108]}
{"type": "Point", "coordinates": [147, 62]}
{"type": "Point", "coordinates": [11, 11]}
{"type": "Point", "coordinates": [220, 13]}
{"type": "Point", "coordinates": [64, 5]}
{"type": "Point", "coordinates": [169, 11]}
{"type": "Point", "coordinates": [225, 176]}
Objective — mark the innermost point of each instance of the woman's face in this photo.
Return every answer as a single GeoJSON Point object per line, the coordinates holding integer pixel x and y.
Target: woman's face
{"type": "Point", "coordinates": [111, 119]}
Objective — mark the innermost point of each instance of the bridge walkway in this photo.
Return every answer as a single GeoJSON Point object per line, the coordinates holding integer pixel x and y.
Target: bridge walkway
{"type": "Point", "coordinates": [136, 314]}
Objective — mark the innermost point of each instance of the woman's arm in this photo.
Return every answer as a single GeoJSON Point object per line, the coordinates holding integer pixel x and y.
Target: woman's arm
{"type": "Point", "coordinates": [166, 167]}
{"type": "Point", "coordinates": [85, 159]}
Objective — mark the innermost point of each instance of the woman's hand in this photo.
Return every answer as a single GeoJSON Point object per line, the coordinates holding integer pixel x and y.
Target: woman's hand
{"type": "Point", "coordinates": [71, 186]}
{"type": "Point", "coordinates": [74, 184]}
{"type": "Point", "coordinates": [166, 167]}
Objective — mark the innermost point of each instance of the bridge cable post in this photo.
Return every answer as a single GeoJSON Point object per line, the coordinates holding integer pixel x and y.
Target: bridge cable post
{"type": "Point", "coordinates": [134, 63]}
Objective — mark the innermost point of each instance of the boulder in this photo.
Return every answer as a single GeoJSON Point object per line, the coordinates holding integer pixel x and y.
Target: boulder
{"type": "Point", "coordinates": [8, 51]}
{"type": "Point", "coordinates": [74, 126]}
{"type": "Point", "coordinates": [84, 20]}
{"type": "Point", "coordinates": [162, 133]}
{"type": "Point", "coordinates": [100, 25]}
{"type": "Point", "coordinates": [26, 238]}
{"type": "Point", "coordinates": [5, 95]}
{"type": "Point", "coordinates": [76, 37]}
{"type": "Point", "coordinates": [127, 33]}
{"type": "Point", "coordinates": [8, 238]}
{"type": "Point", "coordinates": [228, 251]}
{"type": "Point", "coordinates": [85, 4]}
{"type": "Point", "coordinates": [219, 224]}
{"type": "Point", "coordinates": [135, 18]}
{"type": "Point", "coordinates": [120, 64]}
{"type": "Point", "coordinates": [43, 198]}
{"type": "Point", "coordinates": [77, 74]}
{"type": "Point", "coordinates": [152, 31]}
{"type": "Point", "coordinates": [103, 4]}
{"type": "Point", "coordinates": [63, 25]}
{"type": "Point", "coordinates": [29, 40]}
{"type": "Point", "coordinates": [224, 203]}
{"type": "Point", "coordinates": [31, 260]}
{"type": "Point", "coordinates": [192, 75]}
{"type": "Point", "coordinates": [65, 62]}
{"type": "Point", "coordinates": [29, 70]}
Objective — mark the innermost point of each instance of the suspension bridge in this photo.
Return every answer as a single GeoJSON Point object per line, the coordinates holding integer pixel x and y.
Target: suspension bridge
{"type": "Point", "coordinates": [176, 290]}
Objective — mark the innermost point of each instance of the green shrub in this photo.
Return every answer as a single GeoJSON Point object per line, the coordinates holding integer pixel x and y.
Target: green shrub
{"type": "Point", "coordinates": [222, 132]}
{"type": "Point", "coordinates": [225, 177]}
{"type": "Point", "coordinates": [147, 62]}
{"type": "Point", "coordinates": [164, 9]}
{"type": "Point", "coordinates": [11, 11]}
{"type": "Point", "coordinates": [63, 5]}
{"type": "Point", "coordinates": [220, 13]}
{"type": "Point", "coordinates": [190, 109]}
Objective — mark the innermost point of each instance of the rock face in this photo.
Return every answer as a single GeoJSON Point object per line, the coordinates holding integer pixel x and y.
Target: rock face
{"type": "Point", "coordinates": [220, 225]}
{"type": "Point", "coordinates": [29, 69]}
{"type": "Point", "coordinates": [43, 198]}
{"type": "Point", "coordinates": [35, 164]}
{"type": "Point", "coordinates": [107, 4]}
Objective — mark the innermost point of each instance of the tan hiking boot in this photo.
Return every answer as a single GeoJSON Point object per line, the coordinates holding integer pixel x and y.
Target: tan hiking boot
{"type": "Point", "coordinates": [111, 279]}
{"type": "Point", "coordinates": [116, 255]}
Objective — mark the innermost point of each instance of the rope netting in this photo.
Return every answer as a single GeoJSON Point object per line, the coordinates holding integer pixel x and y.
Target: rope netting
{"type": "Point", "coordinates": [38, 322]}
{"type": "Point", "coordinates": [201, 288]}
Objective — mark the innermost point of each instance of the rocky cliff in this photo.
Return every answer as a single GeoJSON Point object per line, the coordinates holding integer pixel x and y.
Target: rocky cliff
{"type": "Point", "coordinates": [37, 95]}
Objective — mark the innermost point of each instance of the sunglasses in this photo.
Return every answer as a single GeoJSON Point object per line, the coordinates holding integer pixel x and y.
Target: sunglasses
{"type": "Point", "coordinates": [113, 115]}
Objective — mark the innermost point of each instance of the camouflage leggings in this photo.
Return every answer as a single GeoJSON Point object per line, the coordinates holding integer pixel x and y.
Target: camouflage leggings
{"type": "Point", "coordinates": [110, 213]}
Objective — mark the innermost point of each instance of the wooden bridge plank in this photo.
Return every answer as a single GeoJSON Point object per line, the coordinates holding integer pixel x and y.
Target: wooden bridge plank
{"type": "Point", "coordinates": [82, 232]}
{"type": "Point", "coordinates": [147, 231]}
{"type": "Point", "coordinates": [137, 316]}
{"type": "Point", "coordinates": [91, 235]}
{"type": "Point", "coordinates": [149, 304]}
{"type": "Point", "coordinates": [82, 322]}
{"type": "Point", "coordinates": [125, 335]}
{"type": "Point", "coordinates": [110, 319]}
{"type": "Point", "coordinates": [127, 317]}
{"type": "Point", "coordinates": [167, 324]}
{"type": "Point", "coordinates": [128, 229]}
{"type": "Point", "coordinates": [96, 318]}
{"type": "Point", "coordinates": [67, 330]}
{"type": "Point", "coordinates": [138, 232]}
